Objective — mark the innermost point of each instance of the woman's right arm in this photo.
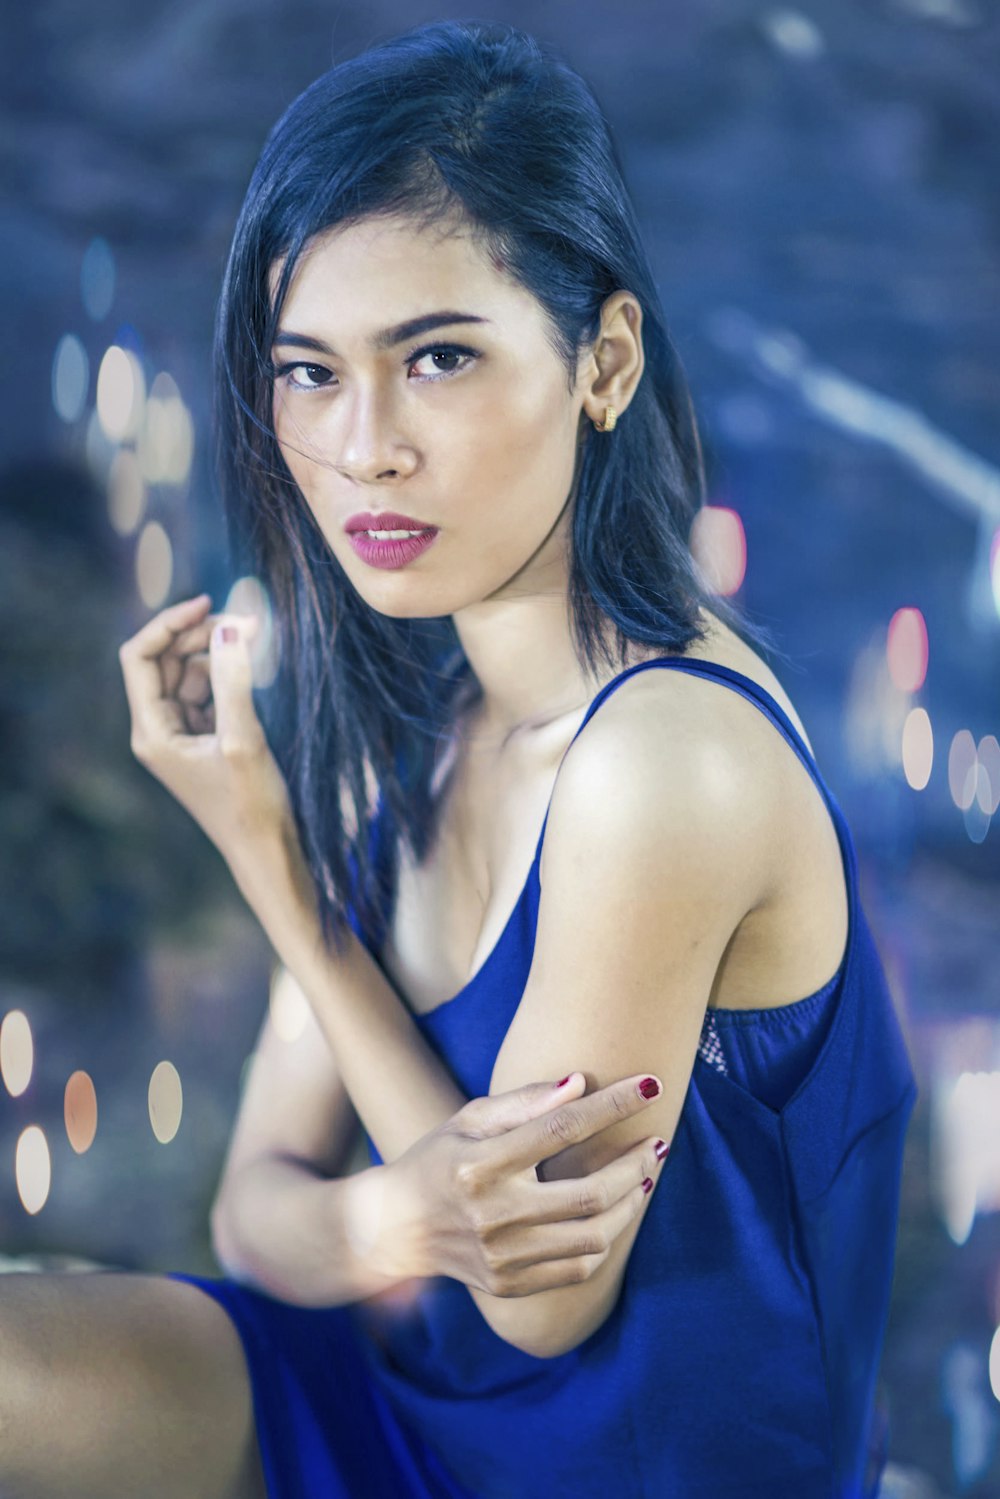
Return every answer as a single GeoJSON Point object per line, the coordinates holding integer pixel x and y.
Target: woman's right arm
{"type": "Point", "coordinates": [280, 1215]}
{"type": "Point", "coordinates": [464, 1201]}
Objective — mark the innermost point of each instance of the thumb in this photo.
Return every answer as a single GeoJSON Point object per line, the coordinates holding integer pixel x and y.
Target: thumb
{"type": "Point", "coordinates": [497, 1113]}
{"type": "Point", "coordinates": [230, 671]}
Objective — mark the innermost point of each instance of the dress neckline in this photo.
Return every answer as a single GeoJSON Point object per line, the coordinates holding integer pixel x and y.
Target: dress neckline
{"type": "Point", "coordinates": [683, 663]}
{"type": "Point", "coordinates": [471, 982]}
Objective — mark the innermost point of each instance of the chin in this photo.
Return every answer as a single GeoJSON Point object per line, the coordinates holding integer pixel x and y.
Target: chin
{"type": "Point", "coordinates": [404, 611]}
{"type": "Point", "coordinates": [405, 603]}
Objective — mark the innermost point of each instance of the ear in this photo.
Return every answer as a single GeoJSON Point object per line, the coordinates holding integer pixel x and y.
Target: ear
{"type": "Point", "coordinates": [616, 361]}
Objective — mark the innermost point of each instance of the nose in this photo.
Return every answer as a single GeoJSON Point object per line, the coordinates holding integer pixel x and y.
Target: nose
{"type": "Point", "coordinates": [372, 447]}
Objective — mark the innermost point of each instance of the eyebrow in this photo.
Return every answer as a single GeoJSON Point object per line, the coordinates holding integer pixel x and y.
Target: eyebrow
{"type": "Point", "coordinates": [385, 338]}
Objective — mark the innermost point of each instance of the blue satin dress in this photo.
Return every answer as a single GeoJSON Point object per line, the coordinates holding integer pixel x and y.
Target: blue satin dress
{"type": "Point", "coordinates": [740, 1359]}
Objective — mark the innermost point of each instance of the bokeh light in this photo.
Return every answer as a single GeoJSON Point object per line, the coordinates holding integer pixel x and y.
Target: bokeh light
{"type": "Point", "coordinates": [17, 1052]}
{"type": "Point", "coordinates": [33, 1169]}
{"type": "Point", "coordinates": [962, 761]}
{"type": "Point", "coordinates": [719, 547]}
{"type": "Point", "coordinates": [288, 1006]}
{"type": "Point", "coordinates": [126, 492]}
{"type": "Point", "coordinates": [166, 1101]}
{"type": "Point", "coordinates": [154, 565]}
{"type": "Point", "coordinates": [988, 754]}
{"type": "Point", "coordinates": [70, 378]}
{"type": "Point", "coordinates": [906, 649]}
{"type": "Point", "coordinates": [975, 801]}
{"type": "Point", "coordinates": [166, 441]}
{"type": "Point", "coordinates": [875, 711]}
{"type": "Point", "coordinates": [121, 394]}
{"type": "Point", "coordinates": [99, 449]}
{"type": "Point", "coordinates": [917, 748]}
{"type": "Point", "coordinates": [80, 1111]}
{"type": "Point", "coordinates": [793, 33]}
{"type": "Point", "coordinates": [967, 1144]}
{"type": "Point", "coordinates": [97, 279]}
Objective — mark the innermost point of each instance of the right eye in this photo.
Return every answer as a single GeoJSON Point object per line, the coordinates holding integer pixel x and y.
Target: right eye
{"type": "Point", "coordinates": [316, 375]}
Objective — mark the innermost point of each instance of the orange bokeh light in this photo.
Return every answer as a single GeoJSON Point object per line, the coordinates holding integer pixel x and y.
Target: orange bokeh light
{"type": "Point", "coordinates": [80, 1111]}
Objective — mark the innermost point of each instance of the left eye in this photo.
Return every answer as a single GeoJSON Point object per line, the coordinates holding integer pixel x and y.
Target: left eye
{"type": "Point", "coordinates": [317, 374]}
{"type": "Point", "coordinates": [463, 357]}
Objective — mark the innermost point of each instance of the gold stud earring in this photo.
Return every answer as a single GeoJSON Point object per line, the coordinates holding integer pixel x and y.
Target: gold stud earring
{"type": "Point", "coordinates": [610, 417]}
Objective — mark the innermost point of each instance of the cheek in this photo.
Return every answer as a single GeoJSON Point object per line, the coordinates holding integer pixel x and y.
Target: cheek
{"type": "Point", "coordinates": [294, 445]}
{"type": "Point", "coordinates": [531, 447]}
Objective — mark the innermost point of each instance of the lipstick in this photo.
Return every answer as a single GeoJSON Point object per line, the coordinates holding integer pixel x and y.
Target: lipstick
{"type": "Point", "coordinates": [388, 550]}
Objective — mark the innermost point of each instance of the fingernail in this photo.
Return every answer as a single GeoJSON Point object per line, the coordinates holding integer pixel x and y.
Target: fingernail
{"type": "Point", "coordinates": [661, 1149]}
{"type": "Point", "coordinates": [563, 1081]}
{"type": "Point", "coordinates": [226, 634]}
{"type": "Point", "coordinates": [649, 1087]}
{"type": "Point", "coordinates": [647, 1184]}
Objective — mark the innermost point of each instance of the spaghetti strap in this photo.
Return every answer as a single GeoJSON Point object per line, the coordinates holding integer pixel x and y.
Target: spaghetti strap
{"type": "Point", "coordinates": [728, 677]}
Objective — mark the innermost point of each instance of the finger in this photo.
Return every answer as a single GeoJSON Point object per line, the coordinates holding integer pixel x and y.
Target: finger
{"type": "Point", "coordinates": [188, 646]}
{"type": "Point", "coordinates": [199, 720]}
{"type": "Point", "coordinates": [497, 1113]}
{"type": "Point", "coordinates": [139, 658]}
{"type": "Point", "coordinates": [193, 646]}
{"type": "Point", "coordinates": [590, 1195]}
{"type": "Point", "coordinates": [195, 637]}
{"type": "Point", "coordinates": [195, 683]}
{"type": "Point", "coordinates": [231, 675]}
{"type": "Point", "coordinates": [175, 665]}
{"type": "Point", "coordinates": [578, 1120]}
{"type": "Point", "coordinates": [544, 1275]}
{"type": "Point", "coordinates": [588, 1238]}
{"type": "Point", "coordinates": [198, 636]}
{"type": "Point", "coordinates": [542, 1270]}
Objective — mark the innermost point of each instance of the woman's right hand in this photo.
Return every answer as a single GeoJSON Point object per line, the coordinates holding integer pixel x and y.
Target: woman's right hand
{"type": "Point", "coordinates": [466, 1201]}
{"type": "Point", "coordinates": [195, 728]}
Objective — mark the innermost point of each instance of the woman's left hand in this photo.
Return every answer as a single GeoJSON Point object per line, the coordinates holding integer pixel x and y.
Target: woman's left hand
{"type": "Point", "coordinates": [195, 728]}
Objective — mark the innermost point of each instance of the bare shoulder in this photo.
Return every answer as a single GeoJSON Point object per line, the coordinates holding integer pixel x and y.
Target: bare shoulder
{"type": "Point", "coordinates": [664, 779]}
{"type": "Point", "coordinates": [675, 751]}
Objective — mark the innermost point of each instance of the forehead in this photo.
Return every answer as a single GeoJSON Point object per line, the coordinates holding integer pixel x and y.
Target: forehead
{"type": "Point", "coordinates": [384, 270]}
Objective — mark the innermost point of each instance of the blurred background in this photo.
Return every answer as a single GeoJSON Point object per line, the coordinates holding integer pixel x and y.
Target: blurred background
{"type": "Point", "coordinates": [820, 190]}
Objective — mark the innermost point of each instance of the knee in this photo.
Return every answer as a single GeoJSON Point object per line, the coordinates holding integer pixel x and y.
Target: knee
{"type": "Point", "coordinates": [23, 1359]}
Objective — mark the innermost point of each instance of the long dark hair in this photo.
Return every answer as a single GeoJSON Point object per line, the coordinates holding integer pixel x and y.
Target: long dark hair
{"type": "Point", "coordinates": [475, 120]}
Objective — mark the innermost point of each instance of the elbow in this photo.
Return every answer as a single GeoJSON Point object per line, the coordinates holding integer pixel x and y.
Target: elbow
{"type": "Point", "coordinates": [223, 1236]}
{"type": "Point", "coordinates": [541, 1330]}
{"type": "Point", "coordinates": [218, 1227]}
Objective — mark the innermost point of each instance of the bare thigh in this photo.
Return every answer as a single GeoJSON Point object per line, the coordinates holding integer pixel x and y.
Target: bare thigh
{"type": "Point", "coordinates": [118, 1384]}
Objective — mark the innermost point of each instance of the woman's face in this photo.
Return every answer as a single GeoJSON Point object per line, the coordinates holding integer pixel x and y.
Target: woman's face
{"type": "Point", "coordinates": [467, 426]}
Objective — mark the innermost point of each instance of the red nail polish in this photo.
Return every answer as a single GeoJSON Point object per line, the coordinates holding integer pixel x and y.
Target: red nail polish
{"type": "Point", "coordinates": [647, 1184]}
{"type": "Point", "coordinates": [562, 1083]}
{"type": "Point", "coordinates": [662, 1149]}
{"type": "Point", "coordinates": [649, 1087]}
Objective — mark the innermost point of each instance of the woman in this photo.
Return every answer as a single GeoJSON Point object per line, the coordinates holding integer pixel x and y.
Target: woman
{"type": "Point", "coordinates": [667, 1273]}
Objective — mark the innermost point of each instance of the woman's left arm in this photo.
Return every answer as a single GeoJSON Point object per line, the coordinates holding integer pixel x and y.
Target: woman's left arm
{"type": "Point", "coordinates": [647, 876]}
{"type": "Point", "coordinates": [660, 840]}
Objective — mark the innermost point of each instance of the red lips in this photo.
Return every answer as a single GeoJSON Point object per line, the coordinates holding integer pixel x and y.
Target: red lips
{"type": "Point", "coordinates": [387, 520]}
